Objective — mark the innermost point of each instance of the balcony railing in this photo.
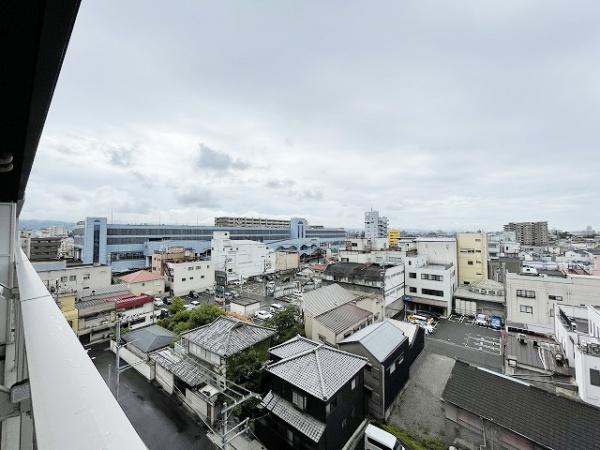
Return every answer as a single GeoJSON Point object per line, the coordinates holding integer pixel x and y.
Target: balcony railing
{"type": "Point", "coordinates": [72, 406]}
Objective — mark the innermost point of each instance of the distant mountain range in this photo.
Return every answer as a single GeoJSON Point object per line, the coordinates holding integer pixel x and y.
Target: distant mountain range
{"type": "Point", "coordinates": [36, 224]}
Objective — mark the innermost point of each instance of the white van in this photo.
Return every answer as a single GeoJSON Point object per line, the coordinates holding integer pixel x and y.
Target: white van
{"type": "Point", "coordinates": [378, 439]}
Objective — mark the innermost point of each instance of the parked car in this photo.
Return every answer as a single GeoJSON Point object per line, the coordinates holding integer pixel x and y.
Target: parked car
{"type": "Point", "coordinates": [275, 307]}
{"type": "Point", "coordinates": [481, 320]}
{"type": "Point", "coordinates": [495, 322]}
{"type": "Point", "coordinates": [378, 439]}
{"type": "Point", "coordinates": [210, 291]}
{"type": "Point", "coordinates": [228, 295]}
{"type": "Point", "coordinates": [189, 307]}
{"type": "Point", "coordinates": [194, 294]}
{"type": "Point", "coordinates": [262, 315]}
{"type": "Point", "coordinates": [195, 303]}
{"type": "Point", "coordinates": [236, 294]}
{"type": "Point", "coordinates": [167, 300]}
{"type": "Point", "coordinates": [234, 282]}
{"type": "Point", "coordinates": [158, 302]}
{"type": "Point", "coordinates": [164, 312]}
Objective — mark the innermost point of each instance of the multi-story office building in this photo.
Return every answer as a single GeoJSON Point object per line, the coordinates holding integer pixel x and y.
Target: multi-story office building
{"type": "Point", "coordinates": [240, 259]}
{"type": "Point", "coordinates": [472, 257]}
{"type": "Point", "coordinates": [532, 298]}
{"type": "Point", "coordinates": [376, 226]}
{"type": "Point", "coordinates": [251, 222]}
{"type": "Point", "coordinates": [429, 286]}
{"type": "Point", "coordinates": [127, 247]}
{"type": "Point", "coordinates": [183, 277]}
{"type": "Point", "coordinates": [83, 279]}
{"type": "Point", "coordinates": [438, 250]}
{"type": "Point", "coordinates": [41, 248]}
{"type": "Point", "coordinates": [529, 233]}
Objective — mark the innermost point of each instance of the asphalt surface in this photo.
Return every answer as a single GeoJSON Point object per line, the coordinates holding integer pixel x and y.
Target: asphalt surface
{"type": "Point", "coordinates": [467, 342]}
{"type": "Point", "coordinates": [158, 418]}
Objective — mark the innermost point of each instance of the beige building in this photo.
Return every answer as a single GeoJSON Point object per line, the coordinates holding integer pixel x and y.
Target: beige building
{"type": "Point", "coordinates": [144, 282]}
{"type": "Point", "coordinates": [286, 261]}
{"type": "Point", "coordinates": [172, 254]}
{"type": "Point", "coordinates": [532, 299]}
{"type": "Point", "coordinates": [472, 257]}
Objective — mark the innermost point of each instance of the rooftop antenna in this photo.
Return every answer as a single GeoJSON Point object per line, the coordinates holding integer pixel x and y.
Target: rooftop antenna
{"type": "Point", "coordinates": [111, 214]}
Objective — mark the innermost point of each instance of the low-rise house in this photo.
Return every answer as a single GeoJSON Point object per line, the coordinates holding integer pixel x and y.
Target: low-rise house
{"type": "Point", "coordinates": [487, 409]}
{"type": "Point", "coordinates": [144, 282]}
{"type": "Point", "coordinates": [387, 349]}
{"type": "Point", "coordinates": [215, 343]}
{"type": "Point", "coordinates": [184, 377]}
{"type": "Point", "coordinates": [415, 335]}
{"type": "Point", "coordinates": [332, 313]}
{"type": "Point", "coordinates": [96, 320]}
{"type": "Point", "coordinates": [134, 311]}
{"type": "Point", "coordinates": [316, 398]}
{"type": "Point", "coordinates": [481, 297]}
{"type": "Point", "coordinates": [80, 278]}
{"type": "Point", "coordinates": [140, 343]}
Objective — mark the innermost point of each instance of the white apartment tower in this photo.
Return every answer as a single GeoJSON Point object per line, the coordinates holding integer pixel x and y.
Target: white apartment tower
{"type": "Point", "coordinates": [375, 226]}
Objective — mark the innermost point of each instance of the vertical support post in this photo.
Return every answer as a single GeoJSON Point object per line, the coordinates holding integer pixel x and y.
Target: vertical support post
{"type": "Point", "coordinates": [117, 360]}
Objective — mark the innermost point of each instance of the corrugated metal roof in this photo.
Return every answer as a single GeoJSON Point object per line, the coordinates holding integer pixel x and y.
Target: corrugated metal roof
{"type": "Point", "coordinates": [304, 423]}
{"type": "Point", "coordinates": [343, 317]}
{"type": "Point", "coordinates": [227, 336]}
{"type": "Point", "coordinates": [320, 371]}
{"type": "Point", "coordinates": [326, 298]}
{"type": "Point", "coordinates": [380, 339]}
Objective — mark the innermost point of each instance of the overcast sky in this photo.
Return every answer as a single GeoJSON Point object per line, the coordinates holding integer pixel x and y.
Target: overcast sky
{"type": "Point", "coordinates": [442, 114]}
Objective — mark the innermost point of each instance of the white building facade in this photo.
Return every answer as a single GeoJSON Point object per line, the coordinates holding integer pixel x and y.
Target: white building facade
{"type": "Point", "coordinates": [240, 259]}
{"type": "Point", "coordinates": [577, 329]}
{"type": "Point", "coordinates": [376, 226]}
{"type": "Point", "coordinates": [429, 286]}
{"type": "Point", "coordinates": [532, 299]}
{"type": "Point", "coordinates": [183, 277]}
{"type": "Point", "coordinates": [83, 279]}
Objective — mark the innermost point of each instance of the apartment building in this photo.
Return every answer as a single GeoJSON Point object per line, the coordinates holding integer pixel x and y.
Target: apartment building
{"type": "Point", "coordinates": [429, 286]}
{"type": "Point", "coordinates": [533, 298]}
{"type": "Point", "coordinates": [577, 329]}
{"type": "Point", "coordinates": [82, 279]}
{"type": "Point", "coordinates": [240, 259]}
{"type": "Point", "coordinates": [160, 258]}
{"type": "Point", "coordinates": [472, 257]}
{"type": "Point", "coordinates": [376, 226]}
{"type": "Point", "coordinates": [529, 233]}
{"type": "Point", "coordinates": [183, 277]}
{"type": "Point", "coordinates": [249, 222]}
{"type": "Point", "coordinates": [41, 248]}
{"type": "Point", "coordinates": [502, 244]}
{"type": "Point", "coordinates": [393, 237]}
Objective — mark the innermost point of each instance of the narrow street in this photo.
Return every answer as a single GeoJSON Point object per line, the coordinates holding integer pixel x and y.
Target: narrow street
{"type": "Point", "coordinates": [159, 420]}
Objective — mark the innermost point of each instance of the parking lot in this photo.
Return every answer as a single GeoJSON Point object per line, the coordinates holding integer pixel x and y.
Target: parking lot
{"type": "Point", "coordinates": [462, 339]}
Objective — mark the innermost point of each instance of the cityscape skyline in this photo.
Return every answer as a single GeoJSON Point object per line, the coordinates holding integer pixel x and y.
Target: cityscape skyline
{"type": "Point", "coordinates": [438, 117]}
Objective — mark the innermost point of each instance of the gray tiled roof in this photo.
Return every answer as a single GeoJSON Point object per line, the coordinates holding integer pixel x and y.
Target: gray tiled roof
{"type": "Point", "coordinates": [343, 317]}
{"type": "Point", "coordinates": [183, 367]}
{"type": "Point", "coordinates": [149, 338]}
{"type": "Point", "coordinates": [545, 418]}
{"type": "Point", "coordinates": [306, 424]}
{"type": "Point", "coordinates": [380, 339]}
{"type": "Point", "coordinates": [326, 298]}
{"type": "Point", "coordinates": [294, 346]}
{"type": "Point", "coordinates": [320, 371]}
{"type": "Point", "coordinates": [227, 336]}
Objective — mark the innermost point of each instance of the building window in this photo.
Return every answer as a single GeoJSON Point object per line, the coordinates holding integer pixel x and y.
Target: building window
{"type": "Point", "coordinates": [526, 309]}
{"type": "Point", "coordinates": [290, 437]}
{"type": "Point", "coordinates": [299, 400]}
{"type": "Point", "coordinates": [595, 377]}
{"type": "Point", "coordinates": [525, 293]}
{"type": "Point", "coordinates": [432, 292]}
{"type": "Point", "coordinates": [353, 384]}
{"type": "Point", "coordinates": [63, 279]}
{"type": "Point", "coordinates": [72, 277]}
{"type": "Point", "coordinates": [86, 276]}
{"type": "Point", "coordinates": [412, 290]}
{"type": "Point", "coordinates": [198, 267]}
{"type": "Point", "coordinates": [412, 274]}
{"type": "Point", "coordinates": [191, 278]}
{"type": "Point", "coordinates": [429, 276]}
{"type": "Point", "coordinates": [392, 368]}
{"type": "Point", "coordinates": [201, 277]}
{"type": "Point", "coordinates": [330, 407]}
{"type": "Point", "coordinates": [183, 279]}
{"type": "Point", "coordinates": [470, 263]}
{"type": "Point", "coordinates": [558, 298]}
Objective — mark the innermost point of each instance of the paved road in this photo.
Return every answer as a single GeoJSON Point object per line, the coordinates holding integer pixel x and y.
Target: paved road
{"type": "Point", "coordinates": [159, 420]}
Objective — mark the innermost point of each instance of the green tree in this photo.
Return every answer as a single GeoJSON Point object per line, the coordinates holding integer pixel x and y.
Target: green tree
{"type": "Point", "coordinates": [184, 320]}
{"type": "Point", "coordinates": [245, 368]}
{"type": "Point", "coordinates": [176, 305]}
{"type": "Point", "coordinates": [287, 322]}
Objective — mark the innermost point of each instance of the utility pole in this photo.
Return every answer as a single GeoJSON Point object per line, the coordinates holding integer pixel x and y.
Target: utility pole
{"type": "Point", "coordinates": [225, 426]}
{"type": "Point", "coordinates": [117, 362]}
